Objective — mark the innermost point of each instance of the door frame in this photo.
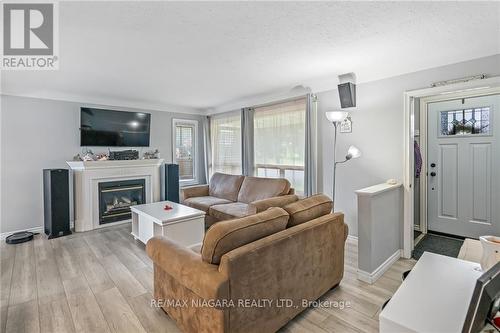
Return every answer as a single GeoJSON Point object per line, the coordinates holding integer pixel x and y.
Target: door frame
{"type": "Point", "coordinates": [468, 89]}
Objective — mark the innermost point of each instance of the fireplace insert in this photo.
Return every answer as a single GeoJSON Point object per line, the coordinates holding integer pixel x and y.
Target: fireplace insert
{"type": "Point", "coordinates": [116, 198]}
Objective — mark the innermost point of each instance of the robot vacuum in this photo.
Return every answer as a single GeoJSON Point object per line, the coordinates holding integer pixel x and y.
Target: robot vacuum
{"type": "Point", "coordinates": [19, 237]}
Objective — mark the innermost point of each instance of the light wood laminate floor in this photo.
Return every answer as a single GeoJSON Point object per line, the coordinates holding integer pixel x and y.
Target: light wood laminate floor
{"type": "Point", "coordinates": [102, 281]}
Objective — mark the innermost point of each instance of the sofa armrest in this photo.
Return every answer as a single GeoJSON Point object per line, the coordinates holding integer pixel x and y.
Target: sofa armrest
{"type": "Point", "coordinates": [194, 191]}
{"type": "Point", "coordinates": [264, 204]}
{"type": "Point", "coordinates": [186, 266]}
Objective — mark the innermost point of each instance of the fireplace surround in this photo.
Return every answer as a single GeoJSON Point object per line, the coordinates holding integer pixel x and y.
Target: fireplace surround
{"type": "Point", "coordinates": [90, 177]}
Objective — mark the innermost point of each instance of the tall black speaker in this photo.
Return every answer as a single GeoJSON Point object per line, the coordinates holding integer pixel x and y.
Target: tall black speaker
{"type": "Point", "coordinates": [56, 202]}
{"type": "Point", "coordinates": [171, 182]}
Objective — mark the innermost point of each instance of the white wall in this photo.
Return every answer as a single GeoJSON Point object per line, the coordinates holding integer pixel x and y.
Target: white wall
{"type": "Point", "coordinates": [37, 134]}
{"type": "Point", "coordinates": [378, 126]}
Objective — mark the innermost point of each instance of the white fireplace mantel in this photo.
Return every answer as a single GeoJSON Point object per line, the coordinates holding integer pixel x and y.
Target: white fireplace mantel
{"type": "Point", "coordinates": [88, 175]}
{"type": "Point", "coordinates": [91, 165]}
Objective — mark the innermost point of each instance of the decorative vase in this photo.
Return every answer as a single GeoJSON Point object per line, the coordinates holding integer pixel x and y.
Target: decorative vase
{"type": "Point", "coordinates": [491, 251]}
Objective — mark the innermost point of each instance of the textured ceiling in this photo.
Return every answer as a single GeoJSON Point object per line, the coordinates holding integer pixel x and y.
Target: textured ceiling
{"type": "Point", "coordinates": [178, 55]}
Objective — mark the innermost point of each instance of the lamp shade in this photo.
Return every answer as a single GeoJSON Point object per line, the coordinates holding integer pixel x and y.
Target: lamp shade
{"type": "Point", "coordinates": [336, 116]}
{"type": "Point", "coordinates": [353, 152]}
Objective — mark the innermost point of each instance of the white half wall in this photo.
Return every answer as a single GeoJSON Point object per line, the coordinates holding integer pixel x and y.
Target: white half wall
{"type": "Point", "coordinates": [38, 134]}
{"type": "Point", "coordinates": [377, 130]}
{"type": "Point", "coordinates": [380, 209]}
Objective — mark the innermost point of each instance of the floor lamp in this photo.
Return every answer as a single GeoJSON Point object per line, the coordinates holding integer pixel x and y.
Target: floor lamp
{"type": "Point", "coordinates": [336, 117]}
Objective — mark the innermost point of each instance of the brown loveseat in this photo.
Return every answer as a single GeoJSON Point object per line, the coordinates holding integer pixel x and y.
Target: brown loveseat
{"type": "Point", "coordinates": [254, 274]}
{"type": "Point", "coordinates": [230, 196]}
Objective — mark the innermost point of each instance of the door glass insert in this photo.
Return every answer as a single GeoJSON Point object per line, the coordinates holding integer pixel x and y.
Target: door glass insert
{"type": "Point", "coordinates": [465, 122]}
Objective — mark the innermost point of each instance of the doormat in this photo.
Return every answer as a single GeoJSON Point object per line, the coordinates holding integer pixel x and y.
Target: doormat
{"type": "Point", "coordinates": [438, 244]}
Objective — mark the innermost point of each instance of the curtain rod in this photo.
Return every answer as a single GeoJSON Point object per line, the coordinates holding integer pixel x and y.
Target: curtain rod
{"type": "Point", "coordinates": [289, 99]}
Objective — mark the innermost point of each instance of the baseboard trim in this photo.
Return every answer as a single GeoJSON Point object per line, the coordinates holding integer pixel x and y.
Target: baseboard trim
{"type": "Point", "coordinates": [4, 235]}
{"type": "Point", "coordinates": [377, 273]}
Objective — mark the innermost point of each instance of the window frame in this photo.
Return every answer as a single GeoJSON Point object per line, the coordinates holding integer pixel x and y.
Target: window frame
{"type": "Point", "coordinates": [194, 124]}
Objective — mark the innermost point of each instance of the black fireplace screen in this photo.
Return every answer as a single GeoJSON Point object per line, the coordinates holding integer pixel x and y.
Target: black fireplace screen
{"type": "Point", "coordinates": [115, 199]}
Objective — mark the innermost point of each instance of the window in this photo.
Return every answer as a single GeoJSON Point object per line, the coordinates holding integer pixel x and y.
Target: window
{"type": "Point", "coordinates": [225, 132]}
{"type": "Point", "coordinates": [465, 122]}
{"type": "Point", "coordinates": [185, 133]}
{"type": "Point", "coordinates": [279, 137]}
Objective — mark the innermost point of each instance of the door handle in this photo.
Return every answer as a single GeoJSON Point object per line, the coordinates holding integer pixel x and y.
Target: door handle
{"type": "Point", "coordinates": [433, 174]}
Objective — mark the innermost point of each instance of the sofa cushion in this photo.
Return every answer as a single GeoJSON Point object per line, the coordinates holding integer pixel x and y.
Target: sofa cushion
{"type": "Point", "coordinates": [231, 210]}
{"type": "Point", "coordinates": [204, 203]}
{"type": "Point", "coordinates": [225, 186]}
{"type": "Point", "coordinates": [257, 188]}
{"type": "Point", "coordinates": [308, 209]}
{"type": "Point", "coordinates": [225, 236]}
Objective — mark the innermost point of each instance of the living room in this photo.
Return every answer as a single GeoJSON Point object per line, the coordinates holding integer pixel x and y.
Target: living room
{"type": "Point", "coordinates": [290, 166]}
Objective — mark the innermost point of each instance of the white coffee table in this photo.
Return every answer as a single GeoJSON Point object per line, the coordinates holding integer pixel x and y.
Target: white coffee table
{"type": "Point", "coordinates": [183, 224]}
{"type": "Point", "coordinates": [434, 297]}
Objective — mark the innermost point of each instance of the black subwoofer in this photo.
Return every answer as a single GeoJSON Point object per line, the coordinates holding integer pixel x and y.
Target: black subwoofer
{"type": "Point", "coordinates": [56, 202]}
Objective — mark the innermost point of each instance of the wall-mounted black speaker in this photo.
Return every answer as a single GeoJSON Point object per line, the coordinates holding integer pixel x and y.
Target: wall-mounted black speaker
{"type": "Point", "coordinates": [171, 182]}
{"type": "Point", "coordinates": [347, 93]}
{"type": "Point", "coordinates": [56, 202]}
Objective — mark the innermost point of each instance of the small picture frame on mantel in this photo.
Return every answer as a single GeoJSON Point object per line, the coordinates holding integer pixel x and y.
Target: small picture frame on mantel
{"type": "Point", "coordinates": [346, 125]}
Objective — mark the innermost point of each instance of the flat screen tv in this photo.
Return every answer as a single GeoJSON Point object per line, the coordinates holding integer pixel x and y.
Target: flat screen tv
{"type": "Point", "coordinates": [99, 127]}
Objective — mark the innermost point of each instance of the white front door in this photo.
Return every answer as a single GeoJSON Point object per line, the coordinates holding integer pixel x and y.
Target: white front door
{"type": "Point", "coordinates": [463, 179]}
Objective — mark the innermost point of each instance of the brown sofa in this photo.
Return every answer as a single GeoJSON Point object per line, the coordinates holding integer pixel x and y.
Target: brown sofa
{"type": "Point", "coordinates": [251, 268]}
{"type": "Point", "coordinates": [230, 196]}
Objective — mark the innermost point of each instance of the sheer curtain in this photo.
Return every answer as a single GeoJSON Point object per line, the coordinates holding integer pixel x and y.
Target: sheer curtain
{"type": "Point", "coordinates": [279, 141]}
{"type": "Point", "coordinates": [225, 139]}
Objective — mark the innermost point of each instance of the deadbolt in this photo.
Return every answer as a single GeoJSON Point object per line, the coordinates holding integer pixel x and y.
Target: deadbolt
{"type": "Point", "coordinates": [433, 165]}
